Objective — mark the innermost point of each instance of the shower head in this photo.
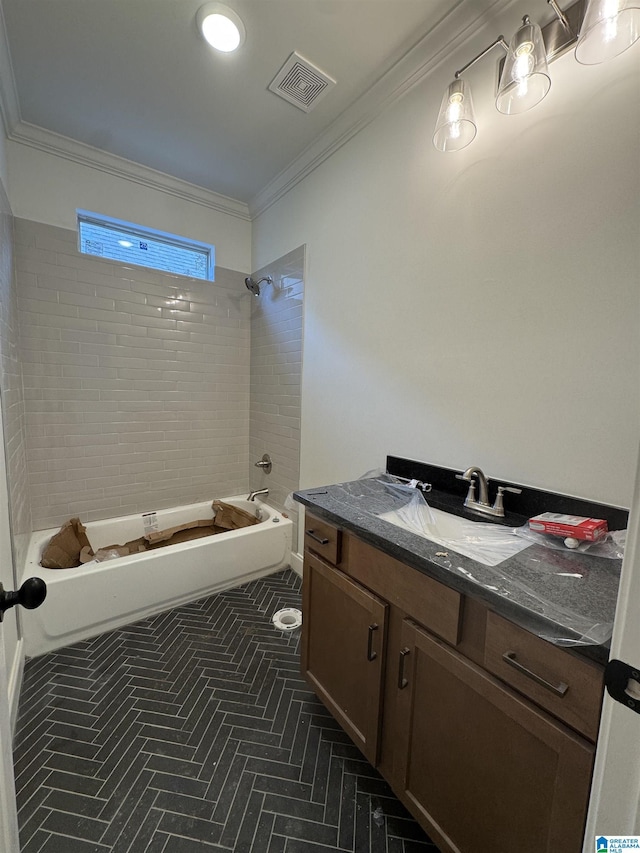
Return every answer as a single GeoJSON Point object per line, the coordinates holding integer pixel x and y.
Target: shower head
{"type": "Point", "coordinates": [254, 286]}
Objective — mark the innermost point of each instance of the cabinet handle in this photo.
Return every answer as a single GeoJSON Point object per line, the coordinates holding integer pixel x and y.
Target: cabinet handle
{"type": "Point", "coordinates": [402, 681]}
{"type": "Point", "coordinates": [371, 655]}
{"type": "Point", "coordinates": [559, 689]}
{"type": "Point", "coordinates": [312, 535]}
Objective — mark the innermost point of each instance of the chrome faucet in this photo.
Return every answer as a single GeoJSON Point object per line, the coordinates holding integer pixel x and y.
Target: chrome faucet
{"type": "Point", "coordinates": [482, 503]}
{"type": "Point", "coordinates": [252, 495]}
{"type": "Point", "coordinates": [483, 497]}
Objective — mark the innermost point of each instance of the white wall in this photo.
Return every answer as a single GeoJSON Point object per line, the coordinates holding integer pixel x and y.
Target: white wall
{"type": "Point", "coordinates": [44, 187]}
{"type": "Point", "coordinates": [480, 307]}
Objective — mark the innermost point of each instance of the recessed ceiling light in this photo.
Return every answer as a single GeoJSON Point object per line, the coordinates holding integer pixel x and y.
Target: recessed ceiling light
{"type": "Point", "coordinates": [221, 27]}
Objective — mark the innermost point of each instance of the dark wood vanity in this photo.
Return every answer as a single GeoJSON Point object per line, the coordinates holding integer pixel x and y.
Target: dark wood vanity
{"type": "Point", "coordinates": [484, 730]}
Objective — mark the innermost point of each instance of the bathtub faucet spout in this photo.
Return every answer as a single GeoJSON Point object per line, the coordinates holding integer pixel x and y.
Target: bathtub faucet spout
{"type": "Point", "coordinates": [252, 495]}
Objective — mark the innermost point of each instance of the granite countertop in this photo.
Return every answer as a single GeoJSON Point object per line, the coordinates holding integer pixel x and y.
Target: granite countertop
{"type": "Point", "coordinates": [564, 596]}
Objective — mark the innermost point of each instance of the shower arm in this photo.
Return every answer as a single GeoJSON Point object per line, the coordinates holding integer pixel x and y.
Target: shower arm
{"type": "Point", "coordinates": [266, 278]}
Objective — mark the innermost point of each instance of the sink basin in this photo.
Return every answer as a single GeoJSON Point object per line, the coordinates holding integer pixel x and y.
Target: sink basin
{"type": "Point", "coordinates": [489, 544]}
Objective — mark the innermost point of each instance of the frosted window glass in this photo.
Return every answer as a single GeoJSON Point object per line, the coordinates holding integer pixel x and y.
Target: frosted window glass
{"type": "Point", "coordinates": [134, 244]}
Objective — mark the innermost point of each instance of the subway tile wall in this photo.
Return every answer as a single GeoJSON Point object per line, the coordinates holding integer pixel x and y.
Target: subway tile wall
{"type": "Point", "coordinates": [276, 368]}
{"type": "Point", "coordinates": [13, 409]}
{"type": "Point", "coordinates": [136, 382]}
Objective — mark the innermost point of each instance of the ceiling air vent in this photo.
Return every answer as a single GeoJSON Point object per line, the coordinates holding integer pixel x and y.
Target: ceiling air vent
{"type": "Point", "coordinates": [301, 83]}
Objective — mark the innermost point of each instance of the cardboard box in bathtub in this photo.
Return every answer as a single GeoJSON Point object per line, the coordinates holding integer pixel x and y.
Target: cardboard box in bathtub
{"type": "Point", "coordinates": [70, 547]}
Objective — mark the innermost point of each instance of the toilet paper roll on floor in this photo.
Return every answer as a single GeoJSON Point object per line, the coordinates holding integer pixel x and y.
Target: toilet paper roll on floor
{"type": "Point", "coordinates": [287, 619]}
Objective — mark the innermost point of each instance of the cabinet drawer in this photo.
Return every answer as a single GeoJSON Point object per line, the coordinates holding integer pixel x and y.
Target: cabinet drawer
{"type": "Point", "coordinates": [322, 538]}
{"type": "Point", "coordinates": [569, 688]}
{"type": "Point", "coordinates": [434, 605]}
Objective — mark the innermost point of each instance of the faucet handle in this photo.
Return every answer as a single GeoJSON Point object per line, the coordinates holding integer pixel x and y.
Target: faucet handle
{"type": "Point", "coordinates": [498, 506]}
{"type": "Point", "coordinates": [264, 463]}
{"type": "Point", "coordinates": [471, 494]}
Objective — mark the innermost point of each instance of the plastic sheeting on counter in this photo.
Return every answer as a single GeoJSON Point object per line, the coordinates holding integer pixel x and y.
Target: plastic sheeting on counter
{"type": "Point", "coordinates": [567, 597]}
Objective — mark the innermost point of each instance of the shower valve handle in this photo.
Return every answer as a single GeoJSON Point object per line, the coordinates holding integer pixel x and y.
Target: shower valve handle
{"type": "Point", "coordinates": [30, 595]}
{"type": "Point", "coordinates": [264, 463]}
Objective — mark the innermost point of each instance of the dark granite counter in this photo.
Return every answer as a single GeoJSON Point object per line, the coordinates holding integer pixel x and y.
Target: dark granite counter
{"type": "Point", "coordinates": [565, 596]}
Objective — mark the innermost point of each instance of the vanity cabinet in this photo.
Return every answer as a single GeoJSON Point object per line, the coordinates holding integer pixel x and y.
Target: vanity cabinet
{"type": "Point", "coordinates": [482, 768]}
{"type": "Point", "coordinates": [343, 650]}
{"type": "Point", "coordinates": [483, 730]}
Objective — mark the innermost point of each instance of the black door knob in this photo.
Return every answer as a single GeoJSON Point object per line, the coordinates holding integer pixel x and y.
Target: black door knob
{"type": "Point", "coordinates": [30, 595]}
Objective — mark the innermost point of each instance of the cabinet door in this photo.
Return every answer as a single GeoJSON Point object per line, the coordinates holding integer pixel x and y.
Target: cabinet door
{"type": "Point", "coordinates": [480, 767]}
{"type": "Point", "coordinates": [344, 629]}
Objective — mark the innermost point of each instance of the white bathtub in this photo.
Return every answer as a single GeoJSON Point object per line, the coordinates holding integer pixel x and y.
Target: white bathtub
{"type": "Point", "coordinates": [98, 597]}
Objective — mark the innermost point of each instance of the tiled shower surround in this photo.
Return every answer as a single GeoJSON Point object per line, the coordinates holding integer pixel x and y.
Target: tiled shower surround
{"type": "Point", "coordinates": [276, 372]}
{"type": "Point", "coordinates": [136, 382]}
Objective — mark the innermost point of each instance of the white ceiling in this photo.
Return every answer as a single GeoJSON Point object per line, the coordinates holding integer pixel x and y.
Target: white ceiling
{"type": "Point", "coordinates": [135, 79]}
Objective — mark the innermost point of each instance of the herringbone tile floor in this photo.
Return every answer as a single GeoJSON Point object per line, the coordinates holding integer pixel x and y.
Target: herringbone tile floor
{"type": "Point", "coordinates": [191, 732]}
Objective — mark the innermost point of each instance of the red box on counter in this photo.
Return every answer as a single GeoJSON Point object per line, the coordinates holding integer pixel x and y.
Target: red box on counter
{"type": "Point", "coordinates": [575, 526]}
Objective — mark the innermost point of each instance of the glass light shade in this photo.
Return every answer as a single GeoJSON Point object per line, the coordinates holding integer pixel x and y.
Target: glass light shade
{"type": "Point", "coordinates": [525, 77]}
{"type": "Point", "coordinates": [220, 27]}
{"type": "Point", "coordinates": [456, 124]}
{"type": "Point", "coordinates": [609, 27]}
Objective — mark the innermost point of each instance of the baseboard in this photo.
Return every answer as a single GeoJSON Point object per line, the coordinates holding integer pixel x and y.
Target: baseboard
{"type": "Point", "coordinates": [296, 563]}
{"type": "Point", "coordinates": [15, 673]}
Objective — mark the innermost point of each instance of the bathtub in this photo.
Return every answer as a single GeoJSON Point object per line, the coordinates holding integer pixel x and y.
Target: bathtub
{"type": "Point", "coordinates": [100, 596]}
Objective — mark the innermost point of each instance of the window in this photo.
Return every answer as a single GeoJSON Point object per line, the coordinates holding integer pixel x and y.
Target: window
{"type": "Point", "coordinates": [145, 247]}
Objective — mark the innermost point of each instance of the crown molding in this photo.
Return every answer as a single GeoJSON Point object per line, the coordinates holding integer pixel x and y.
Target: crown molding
{"type": "Point", "coordinates": [461, 23]}
{"type": "Point", "coordinates": [33, 136]}
{"type": "Point", "coordinates": [453, 30]}
{"type": "Point", "coordinates": [86, 155]}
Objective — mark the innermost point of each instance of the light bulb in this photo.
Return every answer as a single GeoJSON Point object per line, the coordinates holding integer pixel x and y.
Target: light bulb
{"type": "Point", "coordinates": [455, 107]}
{"type": "Point", "coordinates": [455, 127]}
{"type": "Point", "coordinates": [221, 33]}
{"type": "Point", "coordinates": [220, 27]}
{"type": "Point", "coordinates": [525, 78]}
{"type": "Point", "coordinates": [524, 61]}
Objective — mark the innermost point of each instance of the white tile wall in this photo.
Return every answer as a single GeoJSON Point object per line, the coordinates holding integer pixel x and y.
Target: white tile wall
{"type": "Point", "coordinates": [136, 383]}
{"type": "Point", "coordinates": [276, 368]}
{"type": "Point", "coordinates": [13, 405]}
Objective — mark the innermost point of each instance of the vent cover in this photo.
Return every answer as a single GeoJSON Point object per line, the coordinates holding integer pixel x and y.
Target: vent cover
{"type": "Point", "coordinates": [301, 83]}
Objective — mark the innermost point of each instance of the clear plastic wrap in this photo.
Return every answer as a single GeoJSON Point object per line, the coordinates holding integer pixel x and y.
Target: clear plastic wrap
{"type": "Point", "coordinates": [291, 505]}
{"type": "Point", "coordinates": [568, 597]}
{"type": "Point", "coordinates": [416, 515]}
{"type": "Point", "coordinates": [611, 546]}
{"type": "Point", "coordinates": [491, 545]}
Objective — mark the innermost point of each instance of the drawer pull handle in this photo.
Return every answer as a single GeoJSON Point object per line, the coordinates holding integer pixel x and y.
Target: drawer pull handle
{"type": "Point", "coordinates": [402, 681]}
{"type": "Point", "coordinates": [312, 535]}
{"type": "Point", "coordinates": [371, 655]}
{"type": "Point", "coordinates": [510, 658]}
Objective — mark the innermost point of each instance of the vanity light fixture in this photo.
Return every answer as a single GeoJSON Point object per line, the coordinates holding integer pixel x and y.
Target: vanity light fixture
{"type": "Point", "coordinates": [606, 28]}
{"type": "Point", "coordinates": [456, 125]}
{"type": "Point", "coordinates": [525, 75]}
{"type": "Point", "coordinates": [221, 27]}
